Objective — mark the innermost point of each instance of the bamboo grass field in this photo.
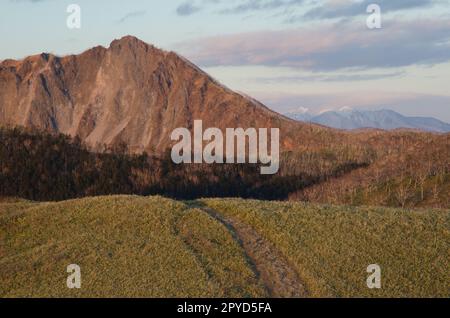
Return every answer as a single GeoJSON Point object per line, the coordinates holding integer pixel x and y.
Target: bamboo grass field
{"type": "Point", "coordinates": [131, 246]}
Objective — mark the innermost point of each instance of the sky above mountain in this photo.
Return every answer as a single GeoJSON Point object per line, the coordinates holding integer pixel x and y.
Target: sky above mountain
{"type": "Point", "coordinates": [317, 54]}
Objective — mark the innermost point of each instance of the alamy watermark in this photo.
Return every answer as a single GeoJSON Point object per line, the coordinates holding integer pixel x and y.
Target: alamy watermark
{"type": "Point", "coordinates": [229, 149]}
{"type": "Point", "coordinates": [74, 19]}
{"type": "Point", "coordinates": [74, 279]}
{"type": "Point", "coordinates": [374, 20]}
{"type": "Point", "coordinates": [374, 279]}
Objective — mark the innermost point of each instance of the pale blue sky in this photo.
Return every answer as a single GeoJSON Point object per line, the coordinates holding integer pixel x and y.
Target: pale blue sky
{"type": "Point", "coordinates": [287, 53]}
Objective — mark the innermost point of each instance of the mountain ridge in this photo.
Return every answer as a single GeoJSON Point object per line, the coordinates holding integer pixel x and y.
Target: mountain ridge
{"type": "Point", "coordinates": [384, 119]}
{"type": "Point", "coordinates": [130, 92]}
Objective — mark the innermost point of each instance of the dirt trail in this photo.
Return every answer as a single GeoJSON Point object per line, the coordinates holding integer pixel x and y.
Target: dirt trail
{"type": "Point", "coordinates": [279, 278]}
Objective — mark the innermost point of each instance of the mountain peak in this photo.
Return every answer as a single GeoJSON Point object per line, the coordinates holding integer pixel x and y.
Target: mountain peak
{"type": "Point", "coordinates": [127, 39]}
{"type": "Point", "coordinates": [346, 109]}
{"type": "Point", "coordinates": [347, 118]}
{"type": "Point", "coordinates": [131, 92]}
{"type": "Point", "coordinates": [130, 42]}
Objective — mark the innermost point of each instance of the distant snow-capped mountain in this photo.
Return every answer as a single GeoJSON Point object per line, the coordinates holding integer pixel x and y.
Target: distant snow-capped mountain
{"type": "Point", "coordinates": [347, 118]}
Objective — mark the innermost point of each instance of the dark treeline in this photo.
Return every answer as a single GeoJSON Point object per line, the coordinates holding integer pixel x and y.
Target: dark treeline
{"type": "Point", "coordinates": [47, 167]}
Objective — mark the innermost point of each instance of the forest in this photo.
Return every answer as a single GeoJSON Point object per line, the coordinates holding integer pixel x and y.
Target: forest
{"type": "Point", "coordinates": [43, 166]}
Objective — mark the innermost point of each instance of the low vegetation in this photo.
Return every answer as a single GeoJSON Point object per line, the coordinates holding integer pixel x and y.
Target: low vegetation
{"type": "Point", "coordinates": [125, 246]}
{"type": "Point", "coordinates": [47, 167]}
{"type": "Point", "coordinates": [398, 169]}
{"type": "Point", "coordinates": [332, 246]}
{"type": "Point", "coordinates": [129, 246]}
{"type": "Point", "coordinates": [409, 169]}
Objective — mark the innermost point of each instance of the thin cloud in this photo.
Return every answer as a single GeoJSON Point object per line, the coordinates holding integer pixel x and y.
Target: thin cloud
{"type": "Point", "coordinates": [331, 78]}
{"type": "Point", "coordinates": [339, 9]}
{"type": "Point", "coordinates": [187, 9]}
{"type": "Point", "coordinates": [329, 47]}
{"type": "Point", "coordinates": [131, 15]}
{"type": "Point", "coordinates": [258, 5]}
{"type": "Point", "coordinates": [326, 9]}
{"type": "Point", "coordinates": [32, 1]}
{"type": "Point", "coordinates": [235, 7]}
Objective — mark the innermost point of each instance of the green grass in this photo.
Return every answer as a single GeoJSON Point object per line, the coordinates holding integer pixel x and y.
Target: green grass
{"type": "Point", "coordinates": [125, 246]}
{"type": "Point", "coordinates": [129, 246]}
{"type": "Point", "coordinates": [332, 246]}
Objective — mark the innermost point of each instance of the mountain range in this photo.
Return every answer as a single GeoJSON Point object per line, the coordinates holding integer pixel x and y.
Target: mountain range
{"type": "Point", "coordinates": [134, 94]}
{"type": "Point", "coordinates": [347, 118]}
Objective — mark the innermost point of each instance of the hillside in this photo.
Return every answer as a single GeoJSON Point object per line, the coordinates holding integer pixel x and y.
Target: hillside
{"type": "Point", "coordinates": [130, 92]}
{"type": "Point", "coordinates": [409, 169]}
{"type": "Point", "coordinates": [395, 169]}
{"type": "Point", "coordinates": [130, 246]}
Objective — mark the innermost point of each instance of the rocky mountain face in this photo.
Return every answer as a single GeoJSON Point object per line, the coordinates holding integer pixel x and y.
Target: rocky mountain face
{"type": "Point", "coordinates": [381, 119]}
{"type": "Point", "coordinates": [129, 93]}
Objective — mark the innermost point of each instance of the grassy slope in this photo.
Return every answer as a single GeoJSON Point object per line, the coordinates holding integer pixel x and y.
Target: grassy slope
{"type": "Point", "coordinates": [331, 246]}
{"type": "Point", "coordinates": [154, 247]}
{"type": "Point", "coordinates": [125, 246]}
